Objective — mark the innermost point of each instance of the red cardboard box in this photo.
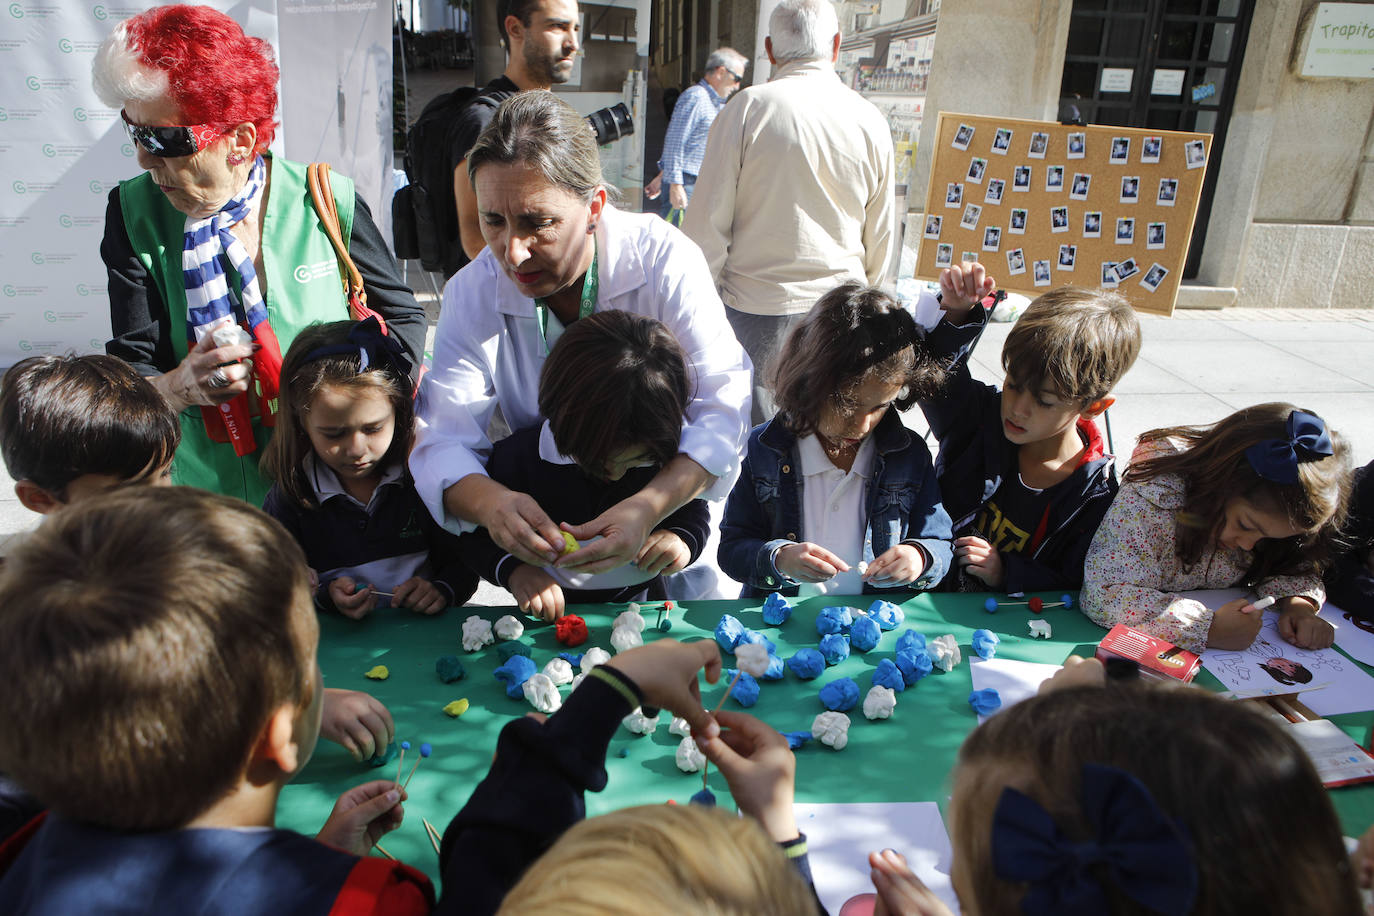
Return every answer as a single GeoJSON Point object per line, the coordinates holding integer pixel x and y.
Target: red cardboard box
{"type": "Point", "coordinates": [1157, 659]}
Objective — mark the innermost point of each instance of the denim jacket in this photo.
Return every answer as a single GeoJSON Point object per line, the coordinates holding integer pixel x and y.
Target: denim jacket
{"type": "Point", "coordinates": [763, 512]}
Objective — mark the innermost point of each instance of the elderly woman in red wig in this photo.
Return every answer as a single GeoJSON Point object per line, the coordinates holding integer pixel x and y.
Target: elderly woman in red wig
{"type": "Point", "coordinates": [215, 254]}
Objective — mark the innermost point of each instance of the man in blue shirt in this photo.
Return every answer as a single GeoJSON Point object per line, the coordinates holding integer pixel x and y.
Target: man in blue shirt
{"type": "Point", "coordinates": [692, 116]}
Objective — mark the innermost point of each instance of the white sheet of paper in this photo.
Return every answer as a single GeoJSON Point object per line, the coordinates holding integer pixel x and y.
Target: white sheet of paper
{"type": "Point", "coordinates": [839, 838]}
{"type": "Point", "coordinates": [1355, 642]}
{"type": "Point", "coordinates": [1014, 681]}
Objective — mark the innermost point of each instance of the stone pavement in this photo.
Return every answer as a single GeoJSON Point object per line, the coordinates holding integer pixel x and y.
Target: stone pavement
{"type": "Point", "coordinates": [1195, 367]}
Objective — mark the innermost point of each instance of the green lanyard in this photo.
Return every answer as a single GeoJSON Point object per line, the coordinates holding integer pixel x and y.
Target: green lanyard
{"type": "Point", "coordinates": [587, 306]}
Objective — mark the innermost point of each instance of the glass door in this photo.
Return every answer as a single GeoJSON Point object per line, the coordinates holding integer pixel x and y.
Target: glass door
{"type": "Point", "coordinates": [1163, 64]}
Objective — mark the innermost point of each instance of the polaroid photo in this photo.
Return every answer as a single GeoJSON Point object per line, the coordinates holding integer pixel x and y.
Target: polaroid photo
{"type": "Point", "coordinates": [1109, 274]}
{"type": "Point", "coordinates": [971, 214]}
{"type": "Point", "coordinates": [1130, 189]}
{"type": "Point", "coordinates": [1040, 142]}
{"type": "Point", "coordinates": [1121, 150]}
{"type": "Point", "coordinates": [1195, 152]}
{"type": "Point", "coordinates": [1168, 192]}
{"type": "Point", "coordinates": [1078, 145]}
{"type": "Point", "coordinates": [1126, 269]}
{"type": "Point", "coordinates": [1042, 273]}
{"type": "Point", "coordinates": [954, 194]}
{"type": "Point", "coordinates": [1018, 222]}
{"type": "Point", "coordinates": [1125, 230]}
{"type": "Point", "coordinates": [1092, 224]}
{"type": "Point", "coordinates": [976, 168]}
{"type": "Point", "coordinates": [1001, 141]}
{"type": "Point", "coordinates": [1068, 254]}
{"type": "Point", "coordinates": [1054, 178]}
{"type": "Point", "coordinates": [992, 238]}
{"type": "Point", "coordinates": [1154, 236]}
{"type": "Point", "coordinates": [1154, 276]}
{"type": "Point", "coordinates": [970, 256]}
{"type": "Point", "coordinates": [963, 136]}
{"type": "Point", "coordinates": [933, 226]}
{"type": "Point", "coordinates": [1059, 219]}
{"type": "Point", "coordinates": [944, 255]}
{"type": "Point", "coordinates": [1079, 189]}
{"type": "Point", "coordinates": [1150, 149]}
{"type": "Point", "coordinates": [1021, 178]}
{"type": "Point", "coordinates": [995, 188]}
{"type": "Point", "coordinates": [1016, 261]}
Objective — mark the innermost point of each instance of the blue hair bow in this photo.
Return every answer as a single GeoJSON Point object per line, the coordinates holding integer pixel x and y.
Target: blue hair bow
{"type": "Point", "coordinates": [1144, 851]}
{"type": "Point", "coordinates": [1278, 459]}
{"type": "Point", "coordinates": [375, 348]}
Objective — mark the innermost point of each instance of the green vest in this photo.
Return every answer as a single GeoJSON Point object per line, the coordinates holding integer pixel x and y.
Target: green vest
{"type": "Point", "coordinates": [303, 286]}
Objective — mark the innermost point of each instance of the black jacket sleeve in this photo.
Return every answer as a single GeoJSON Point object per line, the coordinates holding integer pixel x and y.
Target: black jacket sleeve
{"type": "Point", "coordinates": [138, 315]}
{"type": "Point", "coordinates": [952, 409]}
{"type": "Point", "coordinates": [692, 523]}
{"type": "Point", "coordinates": [387, 294]}
{"type": "Point", "coordinates": [451, 573]}
{"type": "Point", "coordinates": [1349, 582]}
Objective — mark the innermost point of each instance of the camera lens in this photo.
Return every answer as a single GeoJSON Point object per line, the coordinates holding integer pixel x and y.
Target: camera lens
{"type": "Point", "coordinates": [610, 124]}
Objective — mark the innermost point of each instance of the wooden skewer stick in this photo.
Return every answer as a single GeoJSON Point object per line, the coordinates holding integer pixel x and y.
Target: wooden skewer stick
{"type": "Point", "coordinates": [424, 752]}
{"type": "Point", "coordinates": [401, 761]}
{"type": "Point", "coordinates": [707, 766]}
{"type": "Point", "coordinates": [432, 834]}
{"type": "Point", "coordinates": [379, 848]}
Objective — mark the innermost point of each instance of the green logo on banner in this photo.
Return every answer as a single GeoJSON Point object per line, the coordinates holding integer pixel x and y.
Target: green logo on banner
{"type": "Point", "coordinates": [97, 344]}
{"type": "Point", "coordinates": [95, 187]}
{"type": "Point", "coordinates": [36, 258]}
{"type": "Point", "coordinates": [64, 46]}
{"type": "Point", "coordinates": [126, 150]}
{"type": "Point", "coordinates": [79, 114]}
{"type": "Point", "coordinates": [49, 150]}
{"type": "Point", "coordinates": [64, 221]}
{"type": "Point", "coordinates": [16, 11]}
{"type": "Point", "coordinates": [50, 317]}
{"type": "Point", "coordinates": [25, 346]}
{"type": "Point", "coordinates": [98, 12]}
{"type": "Point", "coordinates": [4, 115]}
{"type": "Point", "coordinates": [32, 83]}
{"type": "Point", "coordinates": [11, 291]}
{"type": "Point", "coordinates": [19, 187]}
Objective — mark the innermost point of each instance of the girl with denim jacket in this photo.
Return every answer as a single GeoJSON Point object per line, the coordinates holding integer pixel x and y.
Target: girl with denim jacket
{"type": "Point", "coordinates": [835, 495]}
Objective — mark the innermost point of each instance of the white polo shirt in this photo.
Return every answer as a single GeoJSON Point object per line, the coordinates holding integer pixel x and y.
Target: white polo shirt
{"type": "Point", "coordinates": [834, 514]}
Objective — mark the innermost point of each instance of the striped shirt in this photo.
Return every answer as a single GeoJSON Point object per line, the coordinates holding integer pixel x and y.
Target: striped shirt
{"type": "Point", "coordinates": [685, 142]}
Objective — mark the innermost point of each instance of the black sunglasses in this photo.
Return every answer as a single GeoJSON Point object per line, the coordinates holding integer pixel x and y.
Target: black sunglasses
{"type": "Point", "coordinates": [733, 75]}
{"type": "Point", "coordinates": [171, 141]}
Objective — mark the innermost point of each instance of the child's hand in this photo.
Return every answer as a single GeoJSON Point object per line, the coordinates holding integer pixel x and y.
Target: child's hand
{"type": "Point", "coordinates": [356, 720]}
{"type": "Point", "coordinates": [980, 560]}
{"type": "Point", "coordinates": [962, 288]}
{"type": "Point", "coordinates": [900, 564]}
{"type": "Point", "coordinates": [362, 816]}
{"type": "Point", "coordinates": [536, 592]}
{"type": "Point", "coordinates": [807, 562]}
{"type": "Point", "coordinates": [900, 892]}
{"type": "Point", "coordinates": [1300, 625]}
{"type": "Point", "coordinates": [1077, 672]}
{"type": "Point", "coordinates": [760, 769]}
{"type": "Point", "coordinates": [351, 604]}
{"type": "Point", "coordinates": [664, 553]}
{"type": "Point", "coordinates": [1233, 627]}
{"type": "Point", "coordinates": [419, 595]}
{"type": "Point", "coordinates": [666, 672]}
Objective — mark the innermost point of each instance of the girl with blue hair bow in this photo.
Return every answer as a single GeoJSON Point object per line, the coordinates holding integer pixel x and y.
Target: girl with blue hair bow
{"type": "Point", "coordinates": [1252, 501]}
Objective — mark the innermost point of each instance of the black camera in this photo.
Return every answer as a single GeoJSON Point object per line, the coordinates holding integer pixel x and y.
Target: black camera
{"type": "Point", "coordinates": [610, 124]}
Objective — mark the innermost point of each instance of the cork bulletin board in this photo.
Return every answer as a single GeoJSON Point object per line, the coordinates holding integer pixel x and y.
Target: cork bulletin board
{"type": "Point", "coordinates": [1045, 205]}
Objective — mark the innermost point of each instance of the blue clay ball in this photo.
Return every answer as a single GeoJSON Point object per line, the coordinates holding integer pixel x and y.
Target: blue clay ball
{"type": "Point", "coordinates": [911, 641]}
{"type": "Point", "coordinates": [835, 648]}
{"type": "Point", "coordinates": [990, 605]}
{"type": "Point", "coordinates": [888, 615]}
{"type": "Point", "coordinates": [1067, 599]}
{"type": "Point", "coordinates": [806, 664]}
{"type": "Point", "coordinates": [985, 701]}
{"type": "Point", "coordinates": [913, 665]}
{"type": "Point", "coordinates": [572, 658]}
{"type": "Point", "coordinates": [728, 632]}
{"type": "Point", "coordinates": [795, 740]}
{"type": "Point", "coordinates": [985, 643]}
{"type": "Point", "coordinates": [665, 625]}
{"type": "Point", "coordinates": [513, 674]}
{"type": "Point", "coordinates": [833, 620]}
{"type": "Point", "coordinates": [865, 634]}
{"type": "Point", "coordinates": [426, 749]}
{"type": "Point", "coordinates": [385, 756]}
{"type": "Point", "coordinates": [889, 675]}
{"type": "Point", "coordinates": [841, 695]}
{"type": "Point", "coordinates": [774, 672]}
{"type": "Point", "coordinates": [449, 668]}
{"type": "Point", "coordinates": [776, 610]}
{"type": "Point", "coordinates": [746, 692]}
{"type": "Point", "coordinates": [706, 798]}
{"type": "Point", "coordinates": [756, 638]}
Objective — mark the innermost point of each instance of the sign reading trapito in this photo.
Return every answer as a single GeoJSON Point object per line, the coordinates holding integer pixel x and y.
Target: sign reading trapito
{"type": "Point", "coordinates": [1340, 41]}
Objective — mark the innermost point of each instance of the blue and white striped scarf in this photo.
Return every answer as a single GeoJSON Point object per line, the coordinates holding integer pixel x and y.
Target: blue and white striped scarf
{"type": "Point", "coordinates": [208, 302]}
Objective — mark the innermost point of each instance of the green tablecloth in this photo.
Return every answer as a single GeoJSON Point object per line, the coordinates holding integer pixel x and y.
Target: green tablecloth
{"type": "Point", "coordinates": [905, 758]}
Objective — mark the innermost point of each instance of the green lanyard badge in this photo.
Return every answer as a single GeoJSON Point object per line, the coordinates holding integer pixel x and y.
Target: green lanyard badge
{"type": "Point", "coordinates": [587, 306]}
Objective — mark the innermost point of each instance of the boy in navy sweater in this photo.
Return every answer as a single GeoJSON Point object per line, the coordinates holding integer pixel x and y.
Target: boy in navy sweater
{"type": "Point", "coordinates": [1023, 472]}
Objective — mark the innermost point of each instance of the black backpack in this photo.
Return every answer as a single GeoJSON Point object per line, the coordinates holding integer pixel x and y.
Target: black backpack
{"type": "Point", "coordinates": [424, 215]}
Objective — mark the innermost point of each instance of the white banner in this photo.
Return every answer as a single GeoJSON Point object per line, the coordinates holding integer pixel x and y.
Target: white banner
{"type": "Point", "coordinates": [62, 150]}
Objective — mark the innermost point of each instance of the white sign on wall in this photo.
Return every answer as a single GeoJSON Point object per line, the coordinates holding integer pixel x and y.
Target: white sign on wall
{"type": "Point", "coordinates": [1340, 41]}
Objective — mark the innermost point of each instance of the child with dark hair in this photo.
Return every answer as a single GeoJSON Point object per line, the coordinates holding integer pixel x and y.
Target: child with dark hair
{"type": "Point", "coordinates": [1254, 500]}
{"type": "Point", "coordinates": [1350, 577]}
{"type": "Point", "coordinates": [71, 426]}
{"type": "Point", "coordinates": [344, 428]}
{"type": "Point", "coordinates": [1024, 471]}
{"type": "Point", "coordinates": [835, 495]}
{"type": "Point", "coordinates": [614, 389]}
{"type": "Point", "coordinates": [1056, 811]}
